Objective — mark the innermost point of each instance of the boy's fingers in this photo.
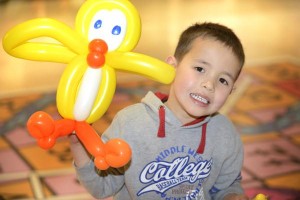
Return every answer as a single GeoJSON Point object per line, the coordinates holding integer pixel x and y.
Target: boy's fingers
{"type": "Point", "coordinates": [73, 138]}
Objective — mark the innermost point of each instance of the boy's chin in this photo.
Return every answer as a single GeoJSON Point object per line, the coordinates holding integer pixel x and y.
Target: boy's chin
{"type": "Point", "coordinates": [197, 115]}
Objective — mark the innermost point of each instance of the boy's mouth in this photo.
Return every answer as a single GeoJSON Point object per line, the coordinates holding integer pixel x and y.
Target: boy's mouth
{"type": "Point", "coordinates": [199, 98]}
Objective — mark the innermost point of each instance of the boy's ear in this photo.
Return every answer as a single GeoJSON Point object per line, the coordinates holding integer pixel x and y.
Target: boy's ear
{"type": "Point", "coordinates": [171, 60]}
{"type": "Point", "coordinates": [233, 89]}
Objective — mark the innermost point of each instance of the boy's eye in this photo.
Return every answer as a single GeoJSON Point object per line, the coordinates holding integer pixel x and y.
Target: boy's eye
{"type": "Point", "coordinates": [200, 69]}
{"type": "Point", "coordinates": [223, 81]}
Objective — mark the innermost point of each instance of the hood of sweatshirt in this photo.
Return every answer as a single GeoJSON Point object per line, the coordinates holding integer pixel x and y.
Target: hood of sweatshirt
{"type": "Point", "coordinates": [157, 108]}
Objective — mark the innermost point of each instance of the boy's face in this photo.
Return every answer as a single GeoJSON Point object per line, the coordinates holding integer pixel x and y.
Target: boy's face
{"type": "Point", "coordinates": [204, 79]}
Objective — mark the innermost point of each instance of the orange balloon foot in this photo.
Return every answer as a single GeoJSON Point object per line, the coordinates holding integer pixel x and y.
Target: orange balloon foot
{"type": "Point", "coordinates": [42, 127]}
{"type": "Point", "coordinates": [117, 154]}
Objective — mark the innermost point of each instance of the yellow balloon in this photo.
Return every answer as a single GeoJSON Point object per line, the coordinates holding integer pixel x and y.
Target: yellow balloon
{"type": "Point", "coordinates": [260, 197]}
{"type": "Point", "coordinates": [69, 43]}
{"type": "Point", "coordinates": [133, 30]}
{"type": "Point", "coordinates": [67, 88]}
{"type": "Point", "coordinates": [108, 87]}
{"type": "Point", "coordinates": [142, 65]}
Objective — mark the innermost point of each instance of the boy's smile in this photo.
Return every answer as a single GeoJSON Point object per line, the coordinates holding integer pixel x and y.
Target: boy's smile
{"type": "Point", "coordinates": [200, 99]}
{"type": "Point", "coordinates": [204, 79]}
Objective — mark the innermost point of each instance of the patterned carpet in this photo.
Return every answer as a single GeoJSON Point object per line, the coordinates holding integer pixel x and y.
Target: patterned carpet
{"type": "Point", "coordinates": [265, 109]}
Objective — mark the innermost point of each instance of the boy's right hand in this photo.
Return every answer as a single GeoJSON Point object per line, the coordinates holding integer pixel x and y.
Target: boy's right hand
{"type": "Point", "coordinates": [73, 138]}
{"type": "Point", "coordinates": [80, 155]}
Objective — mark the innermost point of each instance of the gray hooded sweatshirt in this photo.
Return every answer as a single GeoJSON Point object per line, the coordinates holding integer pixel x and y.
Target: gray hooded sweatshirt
{"type": "Point", "coordinates": [199, 160]}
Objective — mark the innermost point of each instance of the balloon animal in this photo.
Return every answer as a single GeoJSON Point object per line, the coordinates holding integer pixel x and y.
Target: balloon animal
{"type": "Point", "coordinates": [105, 33]}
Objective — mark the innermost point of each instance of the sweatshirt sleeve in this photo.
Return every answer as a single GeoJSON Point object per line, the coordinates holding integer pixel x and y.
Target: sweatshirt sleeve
{"type": "Point", "coordinates": [102, 184]}
{"type": "Point", "coordinates": [229, 179]}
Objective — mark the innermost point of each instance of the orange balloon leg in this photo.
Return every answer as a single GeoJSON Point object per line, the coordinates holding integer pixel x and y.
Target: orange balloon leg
{"type": "Point", "coordinates": [115, 153]}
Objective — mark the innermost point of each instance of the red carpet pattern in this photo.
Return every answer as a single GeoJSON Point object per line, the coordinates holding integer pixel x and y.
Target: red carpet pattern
{"type": "Point", "coordinates": [266, 113]}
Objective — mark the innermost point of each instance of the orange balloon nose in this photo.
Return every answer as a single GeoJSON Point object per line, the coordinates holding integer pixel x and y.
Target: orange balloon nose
{"type": "Point", "coordinates": [98, 49]}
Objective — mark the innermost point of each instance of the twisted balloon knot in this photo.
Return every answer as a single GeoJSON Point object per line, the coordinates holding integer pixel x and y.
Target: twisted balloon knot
{"type": "Point", "coordinates": [97, 51]}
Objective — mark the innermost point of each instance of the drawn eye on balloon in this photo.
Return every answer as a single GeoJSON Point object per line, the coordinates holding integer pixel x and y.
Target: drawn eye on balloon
{"type": "Point", "coordinates": [105, 33]}
{"type": "Point", "coordinates": [109, 26]}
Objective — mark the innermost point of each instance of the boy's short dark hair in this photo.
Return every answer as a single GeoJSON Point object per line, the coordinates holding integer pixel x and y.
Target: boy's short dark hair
{"type": "Point", "coordinates": [212, 30]}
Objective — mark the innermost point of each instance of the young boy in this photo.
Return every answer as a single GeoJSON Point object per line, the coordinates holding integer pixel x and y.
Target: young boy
{"type": "Point", "coordinates": [182, 148]}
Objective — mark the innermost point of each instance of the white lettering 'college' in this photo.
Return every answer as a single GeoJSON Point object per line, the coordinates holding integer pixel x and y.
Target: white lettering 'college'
{"type": "Point", "coordinates": [161, 171]}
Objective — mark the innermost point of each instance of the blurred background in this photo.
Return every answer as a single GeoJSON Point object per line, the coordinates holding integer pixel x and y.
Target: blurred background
{"type": "Point", "coordinates": [265, 108]}
{"type": "Point", "coordinates": [268, 29]}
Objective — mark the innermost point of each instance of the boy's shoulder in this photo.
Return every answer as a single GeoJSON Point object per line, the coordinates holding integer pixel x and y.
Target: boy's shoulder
{"type": "Point", "coordinates": [131, 111]}
{"type": "Point", "coordinates": [222, 124]}
{"type": "Point", "coordinates": [218, 118]}
{"type": "Point", "coordinates": [148, 105]}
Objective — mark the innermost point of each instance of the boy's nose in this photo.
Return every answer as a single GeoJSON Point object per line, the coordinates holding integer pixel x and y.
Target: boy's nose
{"type": "Point", "coordinates": [208, 85]}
